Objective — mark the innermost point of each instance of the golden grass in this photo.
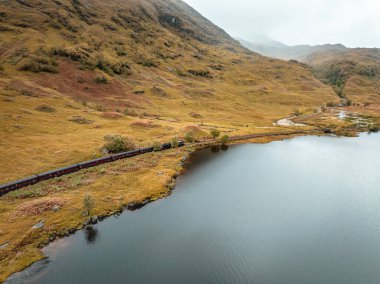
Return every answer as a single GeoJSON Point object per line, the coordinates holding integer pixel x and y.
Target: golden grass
{"type": "Point", "coordinates": [243, 93]}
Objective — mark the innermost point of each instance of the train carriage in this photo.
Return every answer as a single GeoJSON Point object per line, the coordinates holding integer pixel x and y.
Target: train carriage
{"type": "Point", "coordinates": [18, 184]}
{"type": "Point", "coordinates": [95, 162]}
{"type": "Point", "coordinates": [58, 172]}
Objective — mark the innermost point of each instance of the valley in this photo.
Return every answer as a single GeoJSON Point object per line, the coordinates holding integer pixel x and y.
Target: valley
{"type": "Point", "coordinates": [74, 72]}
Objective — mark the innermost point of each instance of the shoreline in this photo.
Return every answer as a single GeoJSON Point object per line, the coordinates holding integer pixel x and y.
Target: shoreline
{"type": "Point", "coordinates": [169, 187]}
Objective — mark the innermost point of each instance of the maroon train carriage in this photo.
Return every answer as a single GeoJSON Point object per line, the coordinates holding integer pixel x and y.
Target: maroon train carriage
{"type": "Point", "coordinates": [95, 162]}
{"type": "Point", "coordinates": [59, 172]}
{"type": "Point", "coordinates": [146, 150]}
{"type": "Point", "coordinates": [124, 155]}
{"type": "Point", "coordinates": [5, 188]}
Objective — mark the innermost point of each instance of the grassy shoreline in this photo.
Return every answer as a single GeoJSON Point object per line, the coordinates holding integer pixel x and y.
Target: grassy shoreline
{"type": "Point", "coordinates": [115, 187]}
{"type": "Point", "coordinates": [148, 178]}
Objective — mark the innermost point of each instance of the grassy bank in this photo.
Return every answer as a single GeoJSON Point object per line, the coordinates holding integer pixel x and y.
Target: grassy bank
{"type": "Point", "coordinates": [34, 216]}
{"type": "Point", "coordinates": [58, 203]}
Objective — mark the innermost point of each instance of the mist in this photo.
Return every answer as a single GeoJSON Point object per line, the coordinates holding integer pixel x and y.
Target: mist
{"type": "Point", "coordinates": [354, 23]}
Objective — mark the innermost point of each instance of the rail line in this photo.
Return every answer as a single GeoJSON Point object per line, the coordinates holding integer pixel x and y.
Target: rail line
{"type": "Point", "coordinates": [12, 186]}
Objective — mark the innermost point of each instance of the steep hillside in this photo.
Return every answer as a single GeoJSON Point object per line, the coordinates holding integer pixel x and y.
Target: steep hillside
{"type": "Point", "coordinates": [271, 48]}
{"type": "Point", "coordinates": [353, 73]}
{"type": "Point", "coordinates": [150, 60]}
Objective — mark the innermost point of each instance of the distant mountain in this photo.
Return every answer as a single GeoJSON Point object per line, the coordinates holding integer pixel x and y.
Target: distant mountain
{"type": "Point", "coordinates": [354, 74]}
{"type": "Point", "coordinates": [271, 48]}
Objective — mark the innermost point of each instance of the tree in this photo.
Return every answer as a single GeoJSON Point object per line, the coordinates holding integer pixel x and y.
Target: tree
{"type": "Point", "coordinates": [224, 139]}
{"type": "Point", "coordinates": [174, 142]}
{"type": "Point", "coordinates": [116, 143]}
{"type": "Point", "coordinates": [190, 137]}
{"type": "Point", "coordinates": [88, 204]}
{"type": "Point", "coordinates": [215, 133]}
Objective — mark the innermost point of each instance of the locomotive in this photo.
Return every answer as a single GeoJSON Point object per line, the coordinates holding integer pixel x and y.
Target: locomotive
{"type": "Point", "coordinates": [5, 188]}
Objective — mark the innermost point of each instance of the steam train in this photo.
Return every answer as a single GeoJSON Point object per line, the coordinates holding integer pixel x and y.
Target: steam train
{"type": "Point", "coordinates": [5, 188]}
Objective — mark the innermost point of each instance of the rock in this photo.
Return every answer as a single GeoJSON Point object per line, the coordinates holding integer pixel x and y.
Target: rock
{"type": "Point", "coordinates": [86, 222]}
{"type": "Point", "coordinates": [4, 245]}
{"type": "Point", "coordinates": [72, 231]}
{"type": "Point", "coordinates": [145, 202]}
{"type": "Point", "coordinates": [53, 237]}
{"type": "Point", "coordinates": [94, 220]}
{"type": "Point", "coordinates": [39, 225]}
{"type": "Point", "coordinates": [55, 208]}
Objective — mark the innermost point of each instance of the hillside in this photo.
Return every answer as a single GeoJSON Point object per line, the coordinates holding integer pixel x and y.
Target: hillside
{"type": "Point", "coordinates": [74, 71]}
{"type": "Point", "coordinates": [353, 73]}
{"type": "Point", "coordinates": [275, 49]}
{"type": "Point", "coordinates": [153, 61]}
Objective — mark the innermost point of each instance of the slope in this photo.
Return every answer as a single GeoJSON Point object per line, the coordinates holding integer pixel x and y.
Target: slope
{"type": "Point", "coordinates": [152, 60]}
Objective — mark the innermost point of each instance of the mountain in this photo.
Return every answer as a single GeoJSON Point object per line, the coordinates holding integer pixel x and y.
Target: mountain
{"type": "Point", "coordinates": [354, 73]}
{"type": "Point", "coordinates": [271, 48]}
{"type": "Point", "coordinates": [154, 60]}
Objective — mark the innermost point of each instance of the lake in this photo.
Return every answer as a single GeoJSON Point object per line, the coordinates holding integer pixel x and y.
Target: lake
{"type": "Point", "coordinates": [304, 210]}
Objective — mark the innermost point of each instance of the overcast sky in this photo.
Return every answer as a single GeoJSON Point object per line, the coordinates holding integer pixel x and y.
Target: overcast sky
{"type": "Point", "coordinates": [354, 23]}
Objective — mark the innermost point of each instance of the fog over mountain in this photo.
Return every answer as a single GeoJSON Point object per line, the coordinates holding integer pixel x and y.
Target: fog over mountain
{"type": "Point", "coordinates": [352, 23]}
{"type": "Point", "coordinates": [272, 48]}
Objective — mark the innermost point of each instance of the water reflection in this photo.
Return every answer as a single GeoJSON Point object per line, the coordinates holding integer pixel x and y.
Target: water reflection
{"type": "Point", "coordinates": [91, 234]}
{"type": "Point", "coordinates": [218, 148]}
{"type": "Point", "coordinates": [224, 148]}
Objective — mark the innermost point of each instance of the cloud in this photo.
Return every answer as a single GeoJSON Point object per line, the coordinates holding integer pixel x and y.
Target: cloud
{"type": "Point", "coordinates": [354, 23]}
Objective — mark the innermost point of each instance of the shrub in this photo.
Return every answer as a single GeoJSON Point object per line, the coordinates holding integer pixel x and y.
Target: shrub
{"type": "Point", "coordinates": [73, 53]}
{"type": "Point", "coordinates": [101, 79]}
{"type": "Point", "coordinates": [147, 62]}
{"type": "Point", "coordinates": [40, 64]}
{"type": "Point", "coordinates": [144, 124]}
{"type": "Point", "coordinates": [121, 68]}
{"type": "Point", "coordinates": [181, 73]}
{"type": "Point", "coordinates": [373, 129]}
{"type": "Point", "coordinates": [117, 143]}
{"type": "Point", "coordinates": [80, 120]}
{"type": "Point", "coordinates": [1, 67]}
{"type": "Point", "coordinates": [26, 93]}
{"type": "Point", "coordinates": [120, 51]}
{"type": "Point", "coordinates": [201, 73]}
{"type": "Point", "coordinates": [157, 146]}
{"type": "Point", "coordinates": [331, 104]}
{"type": "Point", "coordinates": [190, 137]}
{"type": "Point", "coordinates": [111, 115]}
{"type": "Point", "coordinates": [174, 142]}
{"type": "Point", "coordinates": [45, 108]}
{"type": "Point", "coordinates": [215, 133]}
{"type": "Point", "coordinates": [131, 112]}
{"type": "Point", "coordinates": [297, 112]}
{"type": "Point", "coordinates": [99, 108]}
{"type": "Point", "coordinates": [224, 139]}
{"type": "Point", "coordinates": [103, 65]}
{"type": "Point", "coordinates": [88, 204]}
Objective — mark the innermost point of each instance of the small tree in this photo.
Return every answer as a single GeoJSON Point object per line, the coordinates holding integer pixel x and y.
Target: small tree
{"type": "Point", "coordinates": [157, 146]}
{"type": "Point", "coordinates": [117, 143]}
{"type": "Point", "coordinates": [174, 142]}
{"type": "Point", "coordinates": [190, 137]}
{"type": "Point", "coordinates": [88, 204]}
{"type": "Point", "coordinates": [215, 133]}
{"type": "Point", "coordinates": [224, 139]}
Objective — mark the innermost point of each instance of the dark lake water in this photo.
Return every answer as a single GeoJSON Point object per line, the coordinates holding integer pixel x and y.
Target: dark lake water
{"type": "Point", "coordinates": [305, 210]}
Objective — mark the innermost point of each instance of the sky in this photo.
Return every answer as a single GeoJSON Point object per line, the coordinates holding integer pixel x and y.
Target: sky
{"type": "Point", "coordinates": [354, 23]}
